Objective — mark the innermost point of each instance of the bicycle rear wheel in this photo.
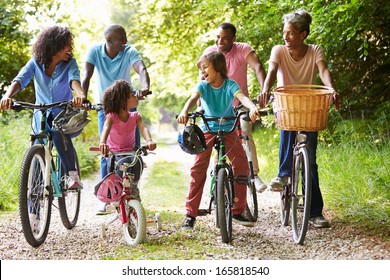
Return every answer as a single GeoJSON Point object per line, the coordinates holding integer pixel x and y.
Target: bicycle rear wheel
{"type": "Point", "coordinates": [34, 197]}
{"type": "Point", "coordinates": [69, 203]}
{"type": "Point", "coordinates": [135, 229]}
{"type": "Point", "coordinates": [224, 211]}
{"type": "Point", "coordinates": [301, 197]}
{"type": "Point", "coordinates": [251, 212]}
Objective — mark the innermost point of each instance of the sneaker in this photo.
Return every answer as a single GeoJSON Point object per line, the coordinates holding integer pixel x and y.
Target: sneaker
{"type": "Point", "coordinates": [259, 185]}
{"type": "Point", "coordinates": [135, 193]}
{"type": "Point", "coordinates": [241, 220]}
{"type": "Point", "coordinates": [188, 223]}
{"type": "Point", "coordinates": [34, 222]}
{"type": "Point", "coordinates": [277, 183]}
{"type": "Point", "coordinates": [319, 222]}
{"type": "Point", "coordinates": [73, 181]}
{"type": "Point", "coordinates": [102, 209]}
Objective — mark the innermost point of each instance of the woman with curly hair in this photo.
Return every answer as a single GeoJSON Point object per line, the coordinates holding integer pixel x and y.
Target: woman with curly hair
{"type": "Point", "coordinates": [56, 74]}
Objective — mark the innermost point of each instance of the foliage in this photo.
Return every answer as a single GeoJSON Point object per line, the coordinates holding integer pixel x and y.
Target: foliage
{"type": "Point", "coordinates": [15, 140]}
{"type": "Point", "coordinates": [13, 41]}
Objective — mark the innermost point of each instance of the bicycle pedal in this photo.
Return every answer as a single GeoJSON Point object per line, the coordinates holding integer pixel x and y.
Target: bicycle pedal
{"type": "Point", "coordinates": [203, 212]}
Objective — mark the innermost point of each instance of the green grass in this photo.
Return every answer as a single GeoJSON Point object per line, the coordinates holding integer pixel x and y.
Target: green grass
{"type": "Point", "coordinates": [354, 176]}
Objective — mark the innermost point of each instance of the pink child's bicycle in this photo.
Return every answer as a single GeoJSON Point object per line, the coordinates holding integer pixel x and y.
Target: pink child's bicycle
{"type": "Point", "coordinates": [118, 191]}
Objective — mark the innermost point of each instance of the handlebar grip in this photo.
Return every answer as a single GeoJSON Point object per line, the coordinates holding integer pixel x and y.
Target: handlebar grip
{"type": "Point", "coordinates": [94, 149]}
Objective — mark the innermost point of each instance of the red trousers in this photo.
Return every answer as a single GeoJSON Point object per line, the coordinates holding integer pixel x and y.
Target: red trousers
{"type": "Point", "coordinates": [198, 173]}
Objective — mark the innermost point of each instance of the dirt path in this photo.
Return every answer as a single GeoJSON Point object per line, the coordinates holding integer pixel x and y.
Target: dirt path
{"type": "Point", "coordinates": [269, 240]}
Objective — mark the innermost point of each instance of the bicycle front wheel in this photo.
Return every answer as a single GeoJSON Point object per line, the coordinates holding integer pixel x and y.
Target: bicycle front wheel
{"type": "Point", "coordinates": [34, 197]}
{"type": "Point", "coordinates": [135, 229]}
{"type": "Point", "coordinates": [301, 197]}
{"type": "Point", "coordinates": [69, 203]}
{"type": "Point", "coordinates": [224, 211]}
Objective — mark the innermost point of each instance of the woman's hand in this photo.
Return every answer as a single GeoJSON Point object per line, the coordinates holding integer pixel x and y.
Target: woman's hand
{"type": "Point", "coordinates": [5, 103]}
{"type": "Point", "coordinates": [104, 149]}
{"type": "Point", "coordinates": [337, 100]}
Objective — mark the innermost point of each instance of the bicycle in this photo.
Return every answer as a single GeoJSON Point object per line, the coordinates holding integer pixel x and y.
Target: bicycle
{"type": "Point", "coordinates": [292, 115]}
{"type": "Point", "coordinates": [251, 211]}
{"type": "Point", "coordinates": [128, 208]}
{"type": "Point", "coordinates": [222, 182]}
{"type": "Point", "coordinates": [42, 179]}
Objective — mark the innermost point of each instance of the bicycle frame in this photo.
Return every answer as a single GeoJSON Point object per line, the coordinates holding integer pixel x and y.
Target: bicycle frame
{"type": "Point", "coordinates": [52, 175]}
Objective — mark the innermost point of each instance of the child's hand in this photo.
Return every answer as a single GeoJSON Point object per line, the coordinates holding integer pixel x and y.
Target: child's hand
{"type": "Point", "coordinates": [254, 114]}
{"type": "Point", "coordinates": [104, 149]}
{"type": "Point", "coordinates": [151, 145]}
{"type": "Point", "coordinates": [183, 117]}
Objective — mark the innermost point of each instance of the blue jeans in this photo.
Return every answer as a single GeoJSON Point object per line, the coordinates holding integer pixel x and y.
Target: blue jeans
{"type": "Point", "coordinates": [64, 147]}
{"type": "Point", "coordinates": [287, 140]}
{"type": "Point", "coordinates": [103, 160]}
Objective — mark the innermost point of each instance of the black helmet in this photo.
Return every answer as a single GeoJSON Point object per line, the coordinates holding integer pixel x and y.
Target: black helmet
{"type": "Point", "coordinates": [191, 140]}
{"type": "Point", "coordinates": [71, 120]}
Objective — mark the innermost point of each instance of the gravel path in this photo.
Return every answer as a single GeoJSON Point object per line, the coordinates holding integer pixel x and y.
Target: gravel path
{"type": "Point", "coordinates": [269, 240]}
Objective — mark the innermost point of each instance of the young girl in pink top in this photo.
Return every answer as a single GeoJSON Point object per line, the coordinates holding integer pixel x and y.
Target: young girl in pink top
{"type": "Point", "coordinates": [118, 133]}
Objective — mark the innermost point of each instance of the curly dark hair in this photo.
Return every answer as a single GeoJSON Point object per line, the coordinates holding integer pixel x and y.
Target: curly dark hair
{"type": "Point", "coordinates": [115, 97]}
{"type": "Point", "coordinates": [51, 41]}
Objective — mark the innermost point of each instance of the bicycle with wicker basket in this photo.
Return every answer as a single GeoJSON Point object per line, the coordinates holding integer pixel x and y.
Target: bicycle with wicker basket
{"type": "Point", "coordinates": [300, 108]}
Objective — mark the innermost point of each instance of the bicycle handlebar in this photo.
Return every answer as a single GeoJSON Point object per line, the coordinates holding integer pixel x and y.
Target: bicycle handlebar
{"type": "Point", "coordinates": [263, 112]}
{"type": "Point", "coordinates": [138, 150]}
{"type": "Point", "coordinates": [20, 105]}
{"type": "Point", "coordinates": [200, 114]}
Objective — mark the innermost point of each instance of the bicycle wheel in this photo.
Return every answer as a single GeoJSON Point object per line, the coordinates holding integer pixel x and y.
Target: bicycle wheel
{"type": "Point", "coordinates": [251, 212]}
{"type": "Point", "coordinates": [301, 197]}
{"type": "Point", "coordinates": [69, 203]}
{"type": "Point", "coordinates": [224, 211]}
{"type": "Point", "coordinates": [285, 204]}
{"type": "Point", "coordinates": [34, 197]}
{"type": "Point", "coordinates": [135, 230]}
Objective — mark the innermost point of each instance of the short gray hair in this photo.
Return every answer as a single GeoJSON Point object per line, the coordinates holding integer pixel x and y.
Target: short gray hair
{"type": "Point", "coordinates": [300, 19]}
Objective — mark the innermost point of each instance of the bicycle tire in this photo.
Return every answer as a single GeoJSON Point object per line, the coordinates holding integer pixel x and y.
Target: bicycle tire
{"type": "Point", "coordinates": [251, 212]}
{"type": "Point", "coordinates": [301, 198]}
{"type": "Point", "coordinates": [224, 211]}
{"type": "Point", "coordinates": [69, 203]}
{"type": "Point", "coordinates": [285, 204]}
{"type": "Point", "coordinates": [134, 230]}
{"type": "Point", "coordinates": [35, 200]}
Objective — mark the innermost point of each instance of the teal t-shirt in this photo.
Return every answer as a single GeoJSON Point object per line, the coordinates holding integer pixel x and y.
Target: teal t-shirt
{"type": "Point", "coordinates": [109, 70]}
{"type": "Point", "coordinates": [218, 102]}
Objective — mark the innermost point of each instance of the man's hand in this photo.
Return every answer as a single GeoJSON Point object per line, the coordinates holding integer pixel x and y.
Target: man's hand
{"type": "Point", "coordinates": [142, 93]}
{"type": "Point", "coordinates": [263, 99]}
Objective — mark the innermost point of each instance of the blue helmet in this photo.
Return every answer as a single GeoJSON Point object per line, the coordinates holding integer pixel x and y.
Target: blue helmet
{"type": "Point", "coordinates": [191, 140]}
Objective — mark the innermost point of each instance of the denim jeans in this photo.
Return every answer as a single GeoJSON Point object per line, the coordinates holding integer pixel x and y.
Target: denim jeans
{"type": "Point", "coordinates": [286, 144]}
{"type": "Point", "coordinates": [64, 146]}
{"type": "Point", "coordinates": [103, 160]}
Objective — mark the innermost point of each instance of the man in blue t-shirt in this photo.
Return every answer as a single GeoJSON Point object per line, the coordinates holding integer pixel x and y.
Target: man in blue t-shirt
{"type": "Point", "coordinates": [113, 61]}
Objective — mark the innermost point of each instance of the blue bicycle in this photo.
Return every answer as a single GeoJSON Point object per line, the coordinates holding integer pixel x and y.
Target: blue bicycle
{"type": "Point", "coordinates": [42, 179]}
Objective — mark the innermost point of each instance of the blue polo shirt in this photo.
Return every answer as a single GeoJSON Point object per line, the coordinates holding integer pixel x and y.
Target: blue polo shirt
{"type": "Point", "coordinates": [218, 102]}
{"type": "Point", "coordinates": [109, 70]}
{"type": "Point", "coordinates": [49, 89]}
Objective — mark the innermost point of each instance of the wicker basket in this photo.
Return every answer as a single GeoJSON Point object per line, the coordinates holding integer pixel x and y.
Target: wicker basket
{"type": "Point", "coordinates": [302, 107]}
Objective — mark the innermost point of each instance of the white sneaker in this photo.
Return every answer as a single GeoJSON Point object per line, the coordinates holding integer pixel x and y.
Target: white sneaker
{"type": "Point", "coordinates": [277, 183]}
{"type": "Point", "coordinates": [73, 181]}
{"type": "Point", "coordinates": [259, 185]}
{"type": "Point", "coordinates": [34, 222]}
